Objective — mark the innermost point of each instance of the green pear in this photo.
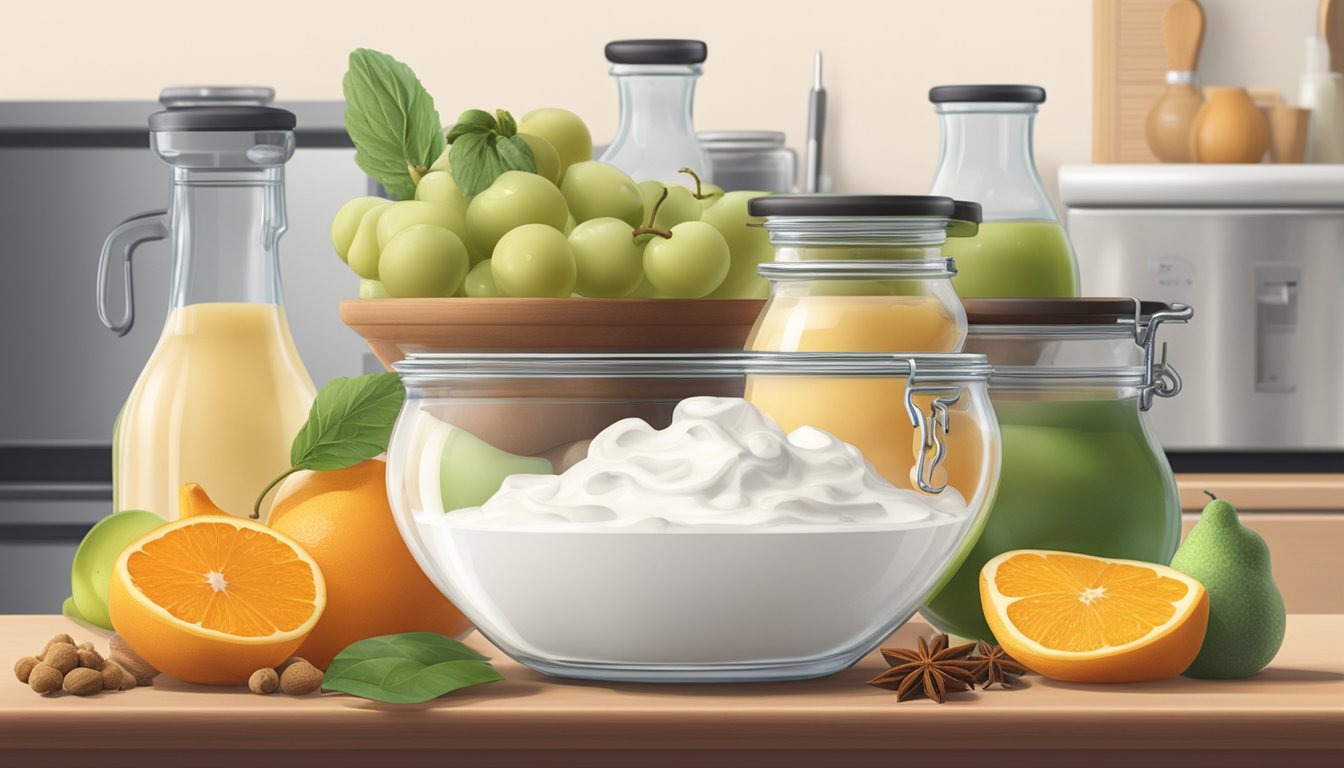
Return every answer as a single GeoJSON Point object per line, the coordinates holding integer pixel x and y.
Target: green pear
{"type": "Point", "coordinates": [1246, 613]}
{"type": "Point", "coordinates": [748, 244]}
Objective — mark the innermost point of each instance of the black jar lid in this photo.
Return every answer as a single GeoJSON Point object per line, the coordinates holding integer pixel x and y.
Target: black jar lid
{"type": "Point", "coordinates": [1079, 311]}
{"type": "Point", "coordinates": [231, 118]}
{"type": "Point", "coordinates": [865, 205]}
{"type": "Point", "coordinates": [1021, 94]}
{"type": "Point", "coordinates": [657, 51]}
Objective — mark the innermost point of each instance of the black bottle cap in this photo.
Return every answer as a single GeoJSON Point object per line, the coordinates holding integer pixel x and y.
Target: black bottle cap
{"type": "Point", "coordinates": [657, 51]}
{"type": "Point", "coordinates": [864, 205]}
{"type": "Point", "coordinates": [1022, 94]}
{"type": "Point", "coordinates": [237, 118]}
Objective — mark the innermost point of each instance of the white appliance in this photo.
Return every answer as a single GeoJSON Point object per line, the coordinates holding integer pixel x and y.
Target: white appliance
{"type": "Point", "coordinates": [1258, 251]}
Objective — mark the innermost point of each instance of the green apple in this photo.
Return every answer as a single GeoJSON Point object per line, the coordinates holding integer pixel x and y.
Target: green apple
{"type": "Point", "coordinates": [91, 571]}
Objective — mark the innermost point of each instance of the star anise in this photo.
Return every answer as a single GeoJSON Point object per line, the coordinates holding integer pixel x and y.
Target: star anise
{"type": "Point", "coordinates": [932, 670]}
{"type": "Point", "coordinates": [993, 665]}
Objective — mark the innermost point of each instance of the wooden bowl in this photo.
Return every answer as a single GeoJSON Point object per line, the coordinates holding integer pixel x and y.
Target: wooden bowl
{"type": "Point", "coordinates": [395, 327]}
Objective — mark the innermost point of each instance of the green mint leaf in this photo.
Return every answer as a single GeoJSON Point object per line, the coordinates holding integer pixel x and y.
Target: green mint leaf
{"type": "Point", "coordinates": [403, 681]}
{"type": "Point", "coordinates": [507, 125]}
{"type": "Point", "coordinates": [427, 648]}
{"type": "Point", "coordinates": [391, 119]}
{"type": "Point", "coordinates": [475, 163]}
{"type": "Point", "coordinates": [409, 668]}
{"type": "Point", "coordinates": [350, 421]}
{"type": "Point", "coordinates": [516, 154]}
{"type": "Point", "coordinates": [471, 121]}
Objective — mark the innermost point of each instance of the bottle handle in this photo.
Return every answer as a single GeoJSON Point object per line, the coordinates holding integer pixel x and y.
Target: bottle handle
{"type": "Point", "coordinates": [125, 238]}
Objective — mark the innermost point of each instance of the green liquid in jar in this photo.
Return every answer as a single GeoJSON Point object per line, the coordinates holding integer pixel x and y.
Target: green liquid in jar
{"type": "Point", "coordinates": [1014, 259]}
{"type": "Point", "coordinates": [1077, 476]}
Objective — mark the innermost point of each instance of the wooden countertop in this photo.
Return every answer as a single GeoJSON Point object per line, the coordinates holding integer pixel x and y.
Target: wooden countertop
{"type": "Point", "coordinates": [1292, 711]}
{"type": "Point", "coordinates": [1268, 491]}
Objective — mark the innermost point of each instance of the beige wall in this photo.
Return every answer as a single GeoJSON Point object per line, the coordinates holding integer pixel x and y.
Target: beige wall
{"type": "Point", "coordinates": [881, 58]}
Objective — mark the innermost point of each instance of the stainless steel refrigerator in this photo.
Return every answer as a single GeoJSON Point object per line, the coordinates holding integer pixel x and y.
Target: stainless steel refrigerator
{"type": "Point", "coordinates": [70, 172]}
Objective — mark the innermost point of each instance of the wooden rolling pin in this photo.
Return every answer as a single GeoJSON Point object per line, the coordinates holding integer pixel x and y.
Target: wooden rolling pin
{"type": "Point", "coordinates": [1169, 121]}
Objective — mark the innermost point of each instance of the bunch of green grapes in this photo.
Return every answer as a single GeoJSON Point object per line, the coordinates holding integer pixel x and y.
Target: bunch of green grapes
{"type": "Point", "coordinates": [575, 227]}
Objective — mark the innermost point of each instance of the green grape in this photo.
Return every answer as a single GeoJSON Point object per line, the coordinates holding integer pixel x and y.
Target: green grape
{"type": "Point", "coordinates": [564, 130]}
{"type": "Point", "coordinates": [712, 194]}
{"type": "Point", "coordinates": [516, 198]}
{"type": "Point", "coordinates": [749, 246]}
{"type": "Point", "coordinates": [570, 224]}
{"type": "Point", "coordinates": [594, 190]}
{"type": "Point", "coordinates": [441, 162]}
{"type": "Point", "coordinates": [689, 264]}
{"type": "Point", "coordinates": [534, 260]}
{"type": "Point", "coordinates": [372, 289]}
{"type": "Point", "coordinates": [408, 213]}
{"type": "Point", "coordinates": [423, 260]}
{"type": "Point", "coordinates": [439, 187]}
{"type": "Point", "coordinates": [364, 248]}
{"type": "Point", "coordinates": [608, 261]}
{"type": "Point", "coordinates": [345, 223]}
{"type": "Point", "coordinates": [480, 282]}
{"type": "Point", "coordinates": [679, 206]}
{"type": "Point", "coordinates": [547, 159]}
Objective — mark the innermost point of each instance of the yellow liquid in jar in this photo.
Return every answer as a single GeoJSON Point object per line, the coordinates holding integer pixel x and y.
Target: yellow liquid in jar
{"type": "Point", "coordinates": [867, 413]}
{"type": "Point", "coordinates": [856, 324]}
{"type": "Point", "coordinates": [218, 403]}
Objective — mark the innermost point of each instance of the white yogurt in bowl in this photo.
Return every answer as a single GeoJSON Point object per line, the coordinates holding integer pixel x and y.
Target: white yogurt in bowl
{"type": "Point", "coordinates": [719, 548]}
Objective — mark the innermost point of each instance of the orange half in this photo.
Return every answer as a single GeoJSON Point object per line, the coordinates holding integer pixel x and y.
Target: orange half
{"type": "Point", "coordinates": [1092, 619]}
{"type": "Point", "coordinates": [211, 599]}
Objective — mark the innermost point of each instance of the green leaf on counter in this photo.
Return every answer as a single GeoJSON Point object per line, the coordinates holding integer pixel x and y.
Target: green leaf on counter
{"type": "Point", "coordinates": [409, 668]}
{"type": "Point", "coordinates": [391, 118]}
{"type": "Point", "coordinates": [484, 147]}
{"type": "Point", "coordinates": [350, 421]}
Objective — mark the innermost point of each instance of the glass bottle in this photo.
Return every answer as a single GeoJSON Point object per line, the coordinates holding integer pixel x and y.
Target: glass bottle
{"type": "Point", "coordinates": [655, 133]}
{"type": "Point", "coordinates": [1082, 471]}
{"type": "Point", "coordinates": [224, 391]}
{"type": "Point", "coordinates": [1021, 249]}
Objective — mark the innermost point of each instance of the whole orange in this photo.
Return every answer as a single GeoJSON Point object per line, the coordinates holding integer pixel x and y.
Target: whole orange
{"type": "Point", "coordinates": [374, 587]}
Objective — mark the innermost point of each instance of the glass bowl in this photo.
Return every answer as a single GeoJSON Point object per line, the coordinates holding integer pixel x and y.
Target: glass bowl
{"type": "Point", "coordinates": [686, 538]}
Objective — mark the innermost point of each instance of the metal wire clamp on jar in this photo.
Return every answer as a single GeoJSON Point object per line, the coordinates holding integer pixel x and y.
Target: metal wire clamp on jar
{"type": "Point", "coordinates": [1081, 470]}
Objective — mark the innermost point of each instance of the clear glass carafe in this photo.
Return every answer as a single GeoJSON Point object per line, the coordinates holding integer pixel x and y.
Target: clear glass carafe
{"type": "Point", "coordinates": [224, 391]}
{"type": "Point", "coordinates": [1082, 471]}
{"type": "Point", "coordinates": [655, 134]}
{"type": "Point", "coordinates": [986, 155]}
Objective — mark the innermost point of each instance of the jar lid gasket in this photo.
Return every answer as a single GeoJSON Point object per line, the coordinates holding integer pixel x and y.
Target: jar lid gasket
{"type": "Point", "coordinates": [876, 269]}
{"type": "Point", "coordinates": [427, 367]}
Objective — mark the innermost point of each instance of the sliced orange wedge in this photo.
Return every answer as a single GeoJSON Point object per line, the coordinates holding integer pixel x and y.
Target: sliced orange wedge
{"type": "Point", "coordinates": [1091, 619]}
{"type": "Point", "coordinates": [212, 598]}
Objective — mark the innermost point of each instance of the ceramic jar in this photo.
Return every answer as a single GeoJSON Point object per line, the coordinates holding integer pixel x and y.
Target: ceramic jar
{"type": "Point", "coordinates": [1229, 129]}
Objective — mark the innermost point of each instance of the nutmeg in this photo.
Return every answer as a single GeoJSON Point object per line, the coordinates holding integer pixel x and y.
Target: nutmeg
{"type": "Point", "coordinates": [113, 676]}
{"type": "Point", "coordinates": [90, 659]}
{"type": "Point", "coordinates": [61, 639]}
{"type": "Point", "coordinates": [62, 656]}
{"type": "Point", "coordinates": [129, 661]}
{"type": "Point", "coordinates": [45, 678]}
{"type": "Point", "coordinates": [83, 681]}
{"type": "Point", "coordinates": [263, 681]}
{"type": "Point", "coordinates": [86, 646]}
{"type": "Point", "coordinates": [300, 679]}
{"type": "Point", "coordinates": [24, 667]}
